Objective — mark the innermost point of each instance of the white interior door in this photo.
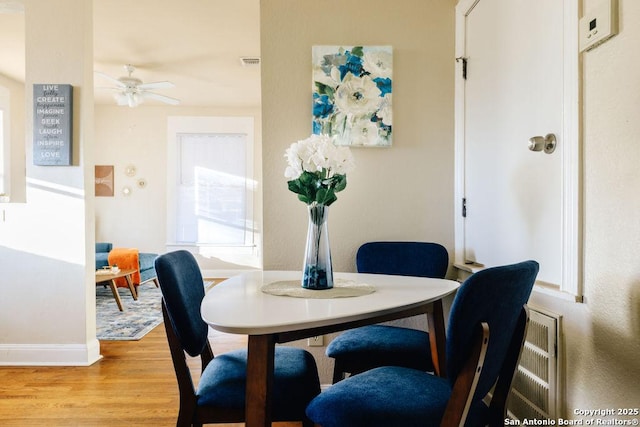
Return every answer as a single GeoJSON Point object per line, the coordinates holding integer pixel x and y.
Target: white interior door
{"type": "Point", "coordinates": [512, 92]}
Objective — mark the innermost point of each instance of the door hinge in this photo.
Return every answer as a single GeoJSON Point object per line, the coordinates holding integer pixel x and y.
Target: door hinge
{"type": "Point", "coordinates": [464, 65]}
{"type": "Point", "coordinates": [464, 207]}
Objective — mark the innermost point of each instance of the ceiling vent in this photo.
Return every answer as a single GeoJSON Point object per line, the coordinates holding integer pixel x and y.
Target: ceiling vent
{"type": "Point", "coordinates": [249, 61]}
{"type": "Point", "coordinates": [12, 6]}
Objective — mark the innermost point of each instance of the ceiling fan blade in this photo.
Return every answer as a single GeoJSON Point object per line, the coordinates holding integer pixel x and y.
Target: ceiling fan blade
{"type": "Point", "coordinates": [115, 89]}
{"type": "Point", "coordinates": [158, 97]}
{"type": "Point", "coordinates": [156, 85]}
{"type": "Point", "coordinates": [112, 79]}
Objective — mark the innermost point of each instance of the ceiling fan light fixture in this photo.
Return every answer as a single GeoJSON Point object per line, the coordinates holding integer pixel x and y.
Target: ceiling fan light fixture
{"type": "Point", "coordinates": [132, 99]}
{"type": "Point", "coordinates": [132, 91]}
{"type": "Point", "coordinates": [121, 98]}
{"type": "Point", "coordinates": [128, 98]}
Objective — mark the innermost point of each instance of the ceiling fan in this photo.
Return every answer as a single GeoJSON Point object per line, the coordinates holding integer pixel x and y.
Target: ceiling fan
{"type": "Point", "coordinates": [132, 91]}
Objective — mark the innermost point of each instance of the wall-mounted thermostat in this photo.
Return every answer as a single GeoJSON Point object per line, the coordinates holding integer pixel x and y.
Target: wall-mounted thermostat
{"type": "Point", "coordinates": [599, 25]}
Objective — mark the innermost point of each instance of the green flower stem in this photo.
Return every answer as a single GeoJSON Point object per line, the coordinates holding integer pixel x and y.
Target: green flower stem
{"type": "Point", "coordinates": [317, 267]}
{"type": "Point", "coordinates": [317, 217]}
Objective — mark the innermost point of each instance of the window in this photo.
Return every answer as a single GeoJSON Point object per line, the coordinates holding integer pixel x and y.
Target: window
{"type": "Point", "coordinates": [4, 143]}
{"type": "Point", "coordinates": [211, 186]}
{"type": "Point", "coordinates": [2, 160]}
{"type": "Point", "coordinates": [212, 190]}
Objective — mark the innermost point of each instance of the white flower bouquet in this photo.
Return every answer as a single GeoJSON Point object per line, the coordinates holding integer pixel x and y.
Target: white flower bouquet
{"type": "Point", "coordinates": [317, 169]}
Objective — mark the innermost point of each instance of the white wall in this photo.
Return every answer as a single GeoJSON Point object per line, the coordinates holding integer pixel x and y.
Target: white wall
{"type": "Point", "coordinates": [404, 192]}
{"type": "Point", "coordinates": [138, 136]}
{"type": "Point", "coordinates": [44, 242]}
{"type": "Point", "coordinates": [602, 336]}
{"type": "Point", "coordinates": [15, 145]}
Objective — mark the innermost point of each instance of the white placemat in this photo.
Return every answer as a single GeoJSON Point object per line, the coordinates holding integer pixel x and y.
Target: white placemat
{"type": "Point", "coordinates": [341, 289]}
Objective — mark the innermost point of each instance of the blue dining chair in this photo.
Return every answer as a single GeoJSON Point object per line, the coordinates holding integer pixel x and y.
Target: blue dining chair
{"type": "Point", "coordinates": [487, 326]}
{"type": "Point", "coordinates": [220, 394]}
{"type": "Point", "coordinates": [368, 347]}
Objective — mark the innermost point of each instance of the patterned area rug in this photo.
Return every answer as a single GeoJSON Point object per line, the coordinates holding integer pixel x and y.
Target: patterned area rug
{"type": "Point", "coordinates": [137, 319]}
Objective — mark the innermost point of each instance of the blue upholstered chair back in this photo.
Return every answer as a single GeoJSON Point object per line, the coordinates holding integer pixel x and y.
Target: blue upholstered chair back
{"type": "Point", "coordinates": [496, 296]}
{"type": "Point", "coordinates": [103, 247]}
{"type": "Point", "coordinates": [423, 259]}
{"type": "Point", "coordinates": [183, 290]}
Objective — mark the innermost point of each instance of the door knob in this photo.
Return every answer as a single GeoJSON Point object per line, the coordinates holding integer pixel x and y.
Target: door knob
{"type": "Point", "coordinates": [546, 144]}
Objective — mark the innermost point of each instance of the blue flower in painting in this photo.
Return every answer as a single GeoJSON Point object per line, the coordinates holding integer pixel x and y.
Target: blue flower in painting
{"type": "Point", "coordinates": [353, 66]}
{"type": "Point", "coordinates": [316, 127]}
{"type": "Point", "coordinates": [322, 105]}
{"type": "Point", "coordinates": [385, 130]}
{"type": "Point", "coordinates": [352, 94]}
{"type": "Point", "coordinates": [384, 84]}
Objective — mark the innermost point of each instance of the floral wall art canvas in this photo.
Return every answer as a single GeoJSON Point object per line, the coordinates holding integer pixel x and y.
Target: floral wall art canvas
{"type": "Point", "coordinates": [352, 94]}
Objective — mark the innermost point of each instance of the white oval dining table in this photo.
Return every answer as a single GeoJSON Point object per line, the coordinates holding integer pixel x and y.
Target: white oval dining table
{"type": "Point", "coordinates": [238, 305]}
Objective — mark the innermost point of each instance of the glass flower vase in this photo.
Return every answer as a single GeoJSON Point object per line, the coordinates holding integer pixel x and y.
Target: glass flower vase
{"type": "Point", "coordinates": [317, 272]}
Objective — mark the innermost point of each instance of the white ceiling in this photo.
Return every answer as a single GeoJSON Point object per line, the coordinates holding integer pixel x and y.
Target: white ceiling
{"type": "Point", "coordinates": [195, 44]}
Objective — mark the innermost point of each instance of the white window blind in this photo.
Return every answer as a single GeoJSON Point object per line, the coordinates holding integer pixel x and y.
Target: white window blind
{"type": "Point", "coordinates": [212, 190]}
{"type": "Point", "coordinates": [3, 157]}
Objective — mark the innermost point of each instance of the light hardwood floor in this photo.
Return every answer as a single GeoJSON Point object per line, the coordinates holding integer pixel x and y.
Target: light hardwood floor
{"type": "Point", "coordinates": [133, 385]}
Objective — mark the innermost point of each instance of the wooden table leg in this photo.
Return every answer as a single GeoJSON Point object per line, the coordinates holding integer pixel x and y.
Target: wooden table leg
{"type": "Point", "coordinates": [116, 295]}
{"type": "Point", "coordinates": [132, 288]}
{"type": "Point", "coordinates": [260, 365]}
{"type": "Point", "coordinates": [437, 336]}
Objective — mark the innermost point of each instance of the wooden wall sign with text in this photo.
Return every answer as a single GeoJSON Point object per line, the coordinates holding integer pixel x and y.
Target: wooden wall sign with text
{"type": "Point", "coordinates": [52, 114]}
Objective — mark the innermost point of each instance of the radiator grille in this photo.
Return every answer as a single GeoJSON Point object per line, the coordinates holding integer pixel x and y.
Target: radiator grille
{"type": "Point", "coordinates": [535, 386]}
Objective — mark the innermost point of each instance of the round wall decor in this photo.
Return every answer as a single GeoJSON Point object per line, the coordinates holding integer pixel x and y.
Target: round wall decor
{"type": "Point", "coordinates": [130, 170]}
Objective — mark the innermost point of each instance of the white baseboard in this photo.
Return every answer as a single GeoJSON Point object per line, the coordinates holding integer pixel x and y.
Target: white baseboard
{"type": "Point", "coordinates": [50, 354]}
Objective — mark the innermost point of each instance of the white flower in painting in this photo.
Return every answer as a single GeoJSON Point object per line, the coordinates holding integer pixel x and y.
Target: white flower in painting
{"type": "Point", "coordinates": [364, 132]}
{"type": "Point", "coordinates": [335, 74]}
{"type": "Point", "coordinates": [359, 96]}
{"type": "Point", "coordinates": [378, 62]}
{"type": "Point", "coordinates": [385, 113]}
{"type": "Point", "coordinates": [332, 79]}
